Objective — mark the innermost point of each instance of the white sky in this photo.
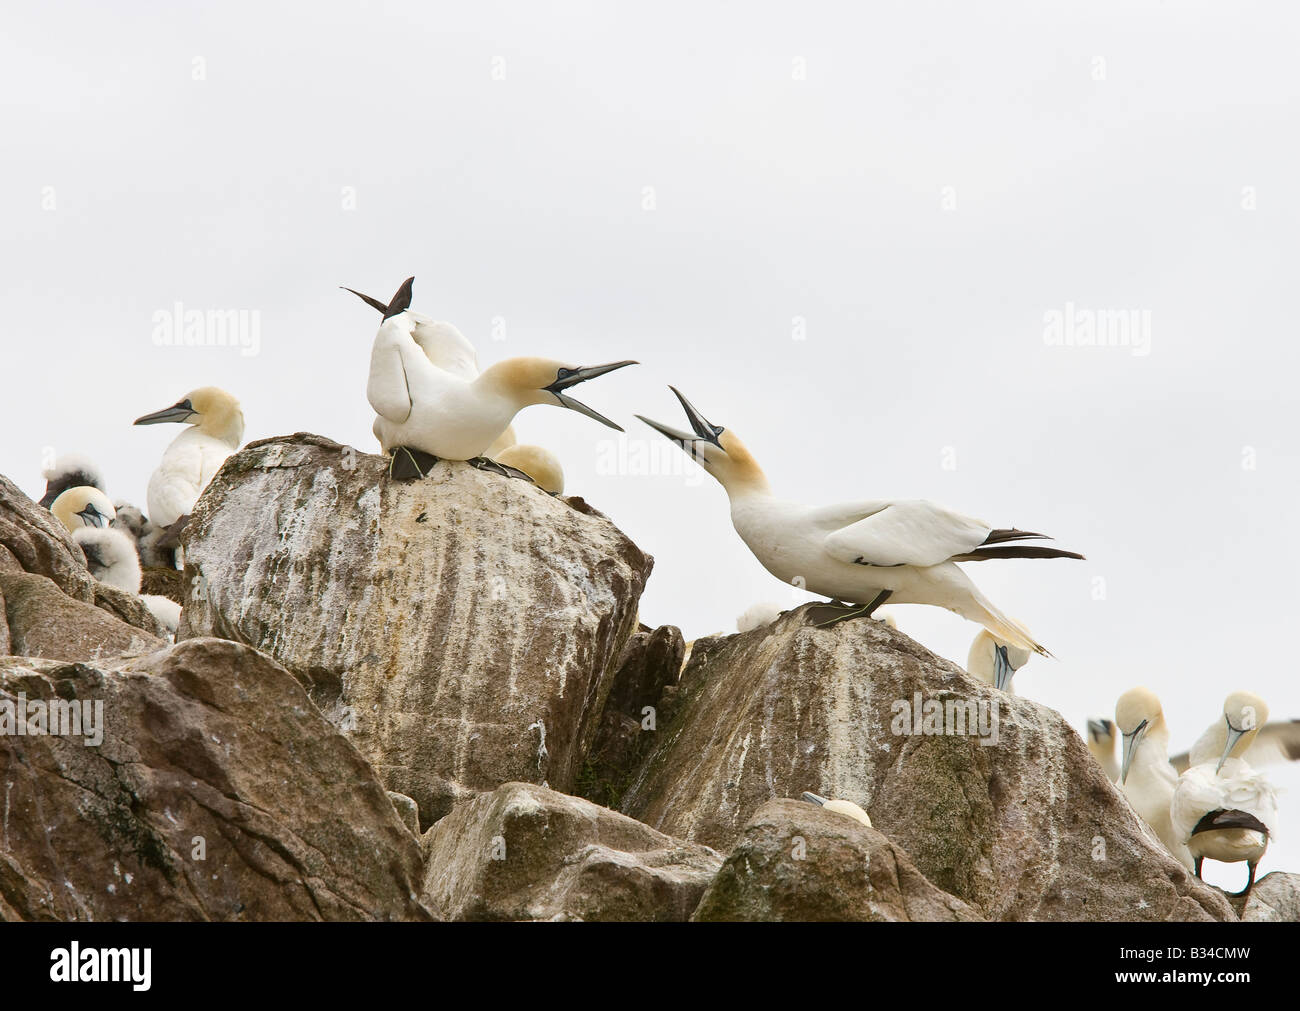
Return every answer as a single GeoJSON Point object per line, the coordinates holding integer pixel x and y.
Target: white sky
{"type": "Point", "coordinates": [1099, 155]}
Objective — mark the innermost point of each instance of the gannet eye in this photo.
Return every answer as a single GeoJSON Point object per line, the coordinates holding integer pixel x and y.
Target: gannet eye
{"type": "Point", "coordinates": [564, 373]}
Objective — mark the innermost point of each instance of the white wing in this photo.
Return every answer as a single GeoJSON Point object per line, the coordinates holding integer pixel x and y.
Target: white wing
{"type": "Point", "coordinates": [1237, 787]}
{"type": "Point", "coordinates": [388, 386]}
{"type": "Point", "coordinates": [177, 483]}
{"type": "Point", "coordinates": [446, 347]}
{"type": "Point", "coordinates": [903, 533]}
{"type": "Point", "coordinates": [1277, 742]}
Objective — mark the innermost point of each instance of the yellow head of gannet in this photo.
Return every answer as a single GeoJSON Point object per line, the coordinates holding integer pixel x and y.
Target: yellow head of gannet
{"type": "Point", "coordinates": [1146, 777]}
{"type": "Point", "coordinates": [1244, 713]}
{"type": "Point", "coordinates": [1101, 742]}
{"type": "Point", "coordinates": [527, 381]}
{"type": "Point", "coordinates": [212, 411]}
{"type": "Point", "coordinates": [715, 448]}
{"type": "Point", "coordinates": [995, 662]}
{"type": "Point", "coordinates": [844, 807]}
{"type": "Point", "coordinates": [83, 507]}
{"type": "Point", "coordinates": [540, 464]}
{"type": "Point", "coordinates": [1139, 717]}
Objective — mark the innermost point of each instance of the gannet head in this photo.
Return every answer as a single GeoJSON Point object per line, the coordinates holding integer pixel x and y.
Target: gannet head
{"type": "Point", "coordinates": [540, 464]}
{"type": "Point", "coordinates": [1138, 715]}
{"type": "Point", "coordinates": [69, 470]}
{"type": "Point", "coordinates": [82, 507]}
{"type": "Point", "coordinates": [994, 661]}
{"type": "Point", "coordinates": [718, 450]}
{"type": "Point", "coordinates": [1101, 733]}
{"type": "Point", "coordinates": [212, 410]}
{"type": "Point", "coordinates": [526, 381]}
{"type": "Point", "coordinates": [844, 807]}
{"type": "Point", "coordinates": [1243, 714]}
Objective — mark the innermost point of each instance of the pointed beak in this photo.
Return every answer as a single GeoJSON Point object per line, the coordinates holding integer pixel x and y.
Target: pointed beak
{"type": "Point", "coordinates": [177, 412]}
{"type": "Point", "coordinates": [1003, 671]}
{"type": "Point", "coordinates": [1098, 729]}
{"type": "Point", "coordinates": [93, 517]}
{"type": "Point", "coordinates": [812, 798]}
{"type": "Point", "coordinates": [1130, 746]}
{"type": "Point", "coordinates": [1234, 735]}
{"type": "Point", "coordinates": [557, 388]}
{"type": "Point", "coordinates": [704, 429]}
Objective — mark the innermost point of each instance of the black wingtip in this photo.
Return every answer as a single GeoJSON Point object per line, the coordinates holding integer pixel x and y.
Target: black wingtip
{"type": "Point", "coordinates": [374, 303]}
{"type": "Point", "coordinates": [401, 301]}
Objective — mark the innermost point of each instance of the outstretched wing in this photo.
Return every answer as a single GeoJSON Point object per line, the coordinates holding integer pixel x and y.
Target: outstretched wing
{"type": "Point", "coordinates": [904, 533]}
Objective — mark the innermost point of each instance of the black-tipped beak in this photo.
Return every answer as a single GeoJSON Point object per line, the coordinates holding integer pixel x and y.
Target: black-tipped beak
{"type": "Point", "coordinates": [1130, 749]}
{"type": "Point", "coordinates": [1098, 729]}
{"type": "Point", "coordinates": [400, 303]}
{"type": "Point", "coordinates": [181, 411]}
{"type": "Point", "coordinates": [812, 798]}
{"type": "Point", "coordinates": [572, 377]}
{"type": "Point", "coordinates": [1003, 672]}
{"type": "Point", "coordinates": [93, 517]}
{"type": "Point", "coordinates": [705, 430]}
{"type": "Point", "coordinates": [681, 438]}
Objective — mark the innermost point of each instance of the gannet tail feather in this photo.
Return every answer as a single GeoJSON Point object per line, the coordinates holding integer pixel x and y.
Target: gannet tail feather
{"type": "Point", "coordinates": [1229, 819]}
{"type": "Point", "coordinates": [983, 554]}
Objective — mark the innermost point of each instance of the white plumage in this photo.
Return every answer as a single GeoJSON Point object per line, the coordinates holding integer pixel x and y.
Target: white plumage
{"type": "Point", "coordinates": [995, 662]}
{"type": "Point", "coordinates": [1146, 777]}
{"type": "Point", "coordinates": [194, 457]}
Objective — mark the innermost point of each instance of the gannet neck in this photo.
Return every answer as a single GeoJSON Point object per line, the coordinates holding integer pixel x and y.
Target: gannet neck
{"type": "Point", "coordinates": [219, 415]}
{"type": "Point", "coordinates": [521, 382]}
{"type": "Point", "coordinates": [738, 472]}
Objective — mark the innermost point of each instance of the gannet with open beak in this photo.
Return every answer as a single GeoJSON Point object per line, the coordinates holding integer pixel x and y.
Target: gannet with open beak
{"type": "Point", "coordinates": [194, 457]}
{"type": "Point", "coordinates": [1222, 807]}
{"type": "Point", "coordinates": [995, 662]}
{"type": "Point", "coordinates": [450, 350]}
{"type": "Point", "coordinates": [844, 807]}
{"type": "Point", "coordinates": [70, 470]}
{"type": "Point", "coordinates": [431, 411]}
{"type": "Point", "coordinates": [1146, 777]}
{"type": "Point", "coordinates": [1101, 742]}
{"type": "Point", "coordinates": [540, 464]}
{"type": "Point", "coordinates": [864, 552]}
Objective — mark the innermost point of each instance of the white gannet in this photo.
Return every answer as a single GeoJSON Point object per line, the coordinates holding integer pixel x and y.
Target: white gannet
{"type": "Point", "coordinates": [1222, 807]}
{"type": "Point", "coordinates": [110, 553]}
{"type": "Point", "coordinates": [1146, 777]}
{"type": "Point", "coordinates": [863, 552]}
{"type": "Point", "coordinates": [69, 470]}
{"type": "Point", "coordinates": [429, 413]}
{"type": "Point", "coordinates": [448, 349]}
{"type": "Point", "coordinates": [1101, 742]}
{"type": "Point", "coordinates": [84, 506]}
{"type": "Point", "coordinates": [758, 615]}
{"type": "Point", "coordinates": [540, 464]}
{"type": "Point", "coordinates": [995, 662]}
{"type": "Point", "coordinates": [1277, 741]}
{"type": "Point", "coordinates": [844, 807]}
{"type": "Point", "coordinates": [166, 610]}
{"type": "Point", "coordinates": [194, 456]}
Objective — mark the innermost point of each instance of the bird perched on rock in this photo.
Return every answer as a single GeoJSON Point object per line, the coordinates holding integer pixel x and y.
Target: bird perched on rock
{"type": "Point", "coordinates": [1101, 742]}
{"type": "Point", "coordinates": [995, 662]}
{"type": "Point", "coordinates": [1146, 777]}
{"type": "Point", "coordinates": [132, 521]}
{"type": "Point", "coordinates": [426, 413]}
{"type": "Point", "coordinates": [865, 552]}
{"type": "Point", "coordinates": [1222, 808]}
{"type": "Point", "coordinates": [70, 470]}
{"type": "Point", "coordinates": [216, 428]}
{"type": "Point", "coordinates": [844, 807]}
{"type": "Point", "coordinates": [540, 464]}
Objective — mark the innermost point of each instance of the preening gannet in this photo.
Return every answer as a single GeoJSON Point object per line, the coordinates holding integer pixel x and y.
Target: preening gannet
{"type": "Point", "coordinates": [450, 350]}
{"type": "Point", "coordinates": [69, 470]}
{"type": "Point", "coordinates": [995, 662]}
{"type": "Point", "coordinates": [540, 464]}
{"type": "Point", "coordinates": [1101, 742]}
{"type": "Point", "coordinates": [1222, 807]}
{"type": "Point", "coordinates": [194, 456]}
{"type": "Point", "coordinates": [844, 807]}
{"type": "Point", "coordinates": [1146, 777]}
{"type": "Point", "coordinates": [863, 552]}
{"type": "Point", "coordinates": [439, 414]}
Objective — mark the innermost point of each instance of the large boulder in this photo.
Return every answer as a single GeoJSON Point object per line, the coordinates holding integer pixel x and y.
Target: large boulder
{"type": "Point", "coordinates": [32, 540]}
{"type": "Point", "coordinates": [45, 622]}
{"type": "Point", "coordinates": [215, 791]}
{"type": "Point", "coordinates": [462, 630]}
{"type": "Point", "coordinates": [1014, 818]}
{"type": "Point", "coordinates": [1275, 898]}
{"type": "Point", "coordinates": [797, 861]}
{"type": "Point", "coordinates": [524, 852]}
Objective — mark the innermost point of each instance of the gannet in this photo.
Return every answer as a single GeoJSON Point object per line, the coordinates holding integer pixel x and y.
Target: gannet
{"type": "Point", "coordinates": [132, 521]}
{"type": "Point", "coordinates": [69, 470]}
{"type": "Point", "coordinates": [1222, 808]}
{"type": "Point", "coordinates": [110, 553]}
{"type": "Point", "coordinates": [540, 464]}
{"type": "Point", "coordinates": [426, 411]}
{"type": "Point", "coordinates": [167, 611]}
{"type": "Point", "coordinates": [1276, 742]}
{"type": "Point", "coordinates": [757, 615]}
{"type": "Point", "coordinates": [1101, 742]}
{"type": "Point", "coordinates": [844, 807]}
{"type": "Point", "coordinates": [1146, 777]}
{"type": "Point", "coordinates": [450, 350]}
{"type": "Point", "coordinates": [194, 456]}
{"type": "Point", "coordinates": [863, 552]}
{"type": "Point", "coordinates": [84, 506]}
{"type": "Point", "coordinates": [995, 662]}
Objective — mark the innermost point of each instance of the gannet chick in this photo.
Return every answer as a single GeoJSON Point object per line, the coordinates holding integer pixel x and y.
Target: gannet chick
{"type": "Point", "coordinates": [1222, 807]}
{"type": "Point", "coordinates": [995, 662]}
{"type": "Point", "coordinates": [1101, 742]}
{"type": "Point", "coordinates": [866, 552]}
{"type": "Point", "coordinates": [540, 464]}
{"type": "Point", "coordinates": [131, 520]}
{"type": "Point", "coordinates": [110, 553]}
{"type": "Point", "coordinates": [428, 410]}
{"type": "Point", "coordinates": [194, 456]}
{"type": "Point", "coordinates": [1145, 775]}
{"type": "Point", "coordinates": [167, 611]}
{"type": "Point", "coordinates": [70, 470]}
{"type": "Point", "coordinates": [844, 807]}
{"type": "Point", "coordinates": [448, 349]}
{"type": "Point", "coordinates": [758, 615]}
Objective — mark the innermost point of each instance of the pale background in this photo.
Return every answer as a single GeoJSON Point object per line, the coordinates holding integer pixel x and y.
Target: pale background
{"type": "Point", "coordinates": [919, 182]}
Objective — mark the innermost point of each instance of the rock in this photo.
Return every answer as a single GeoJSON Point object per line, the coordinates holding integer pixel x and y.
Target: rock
{"type": "Point", "coordinates": [32, 540]}
{"type": "Point", "coordinates": [524, 852]}
{"type": "Point", "coordinates": [795, 861]}
{"type": "Point", "coordinates": [651, 661]}
{"type": "Point", "coordinates": [129, 608]}
{"type": "Point", "coordinates": [407, 810]}
{"type": "Point", "coordinates": [1026, 828]}
{"type": "Point", "coordinates": [45, 622]}
{"type": "Point", "coordinates": [462, 630]}
{"type": "Point", "coordinates": [218, 792]}
{"type": "Point", "coordinates": [1275, 898]}
{"type": "Point", "coordinates": [163, 582]}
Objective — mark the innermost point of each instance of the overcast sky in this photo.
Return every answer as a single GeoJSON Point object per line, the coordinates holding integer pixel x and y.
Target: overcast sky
{"type": "Point", "coordinates": [851, 233]}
